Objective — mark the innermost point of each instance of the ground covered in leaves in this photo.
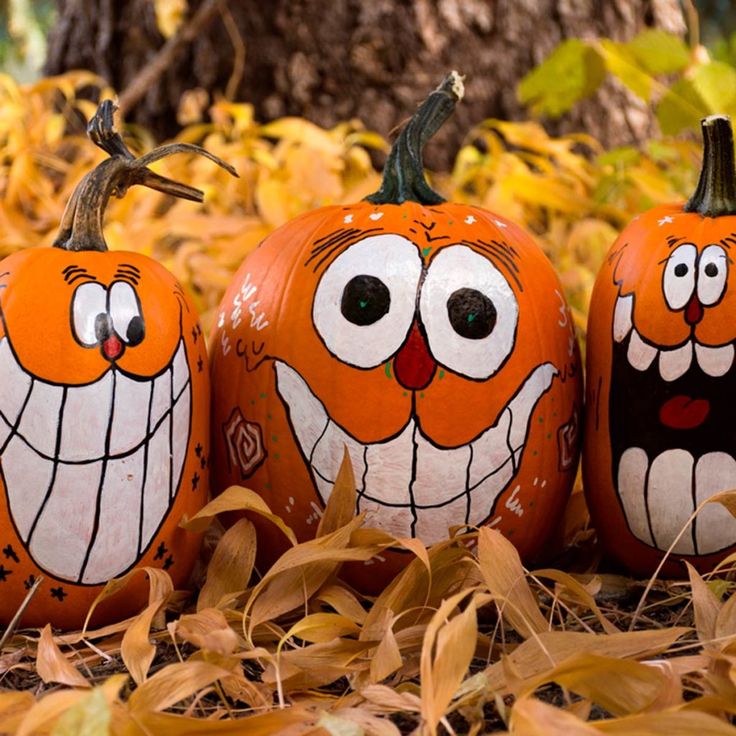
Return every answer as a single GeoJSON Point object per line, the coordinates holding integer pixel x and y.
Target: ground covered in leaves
{"type": "Point", "coordinates": [465, 640]}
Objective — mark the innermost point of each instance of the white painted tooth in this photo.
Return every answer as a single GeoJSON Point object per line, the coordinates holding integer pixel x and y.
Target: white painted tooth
{"type": "Point", "coordinates": [115, 546]}
{"type": "Point", "coordinates": [158, 483]}
{"type": "Point", "coordinates": [640, 354]}
{"type": "Point", "coordinates": [675, 363]}
{"type": "Point", "coordinates": [715, 362]}
{"type": "Point", "coordinates": [41, 416]}
{"type": "Point", "coordinates": [389, 471]}
{"type": "Point", "coordinates": [86, 418]}
{"type": "Point", "coordinates": [440, 482]}
{"type": "Point", "coordinates": [715, 527]}
{"type": "Point", "coordinates": [622, 323]}
{"type": "Point", "coordinates": [180, 428]}
{"type": "Point", "coordinates": [162, 401]}
{"type": "Point", "coordinates": [15, 384]}
{"type": "Point", "coordinates": [181, 369]}
{"type": "Point", "coordinates": [5, 430]}
{"type": "Point", "coordinates": [62, 535]}
{"type": "Point", "coordinates": [27, 477]}
{"type": "Point", "coordinates": [306, 413]}
{"type": "Point", "coordinates": [632, 477]}
{"type": "Point", "coordinates": [483, 497]}
{"type": "Point", "coordinates": [522, 405]}
{"type": "Point", "coordinates": [130, 413]}
{"type": "Point", "coordinates": [491, 449]}
{"type": "Point", "coordinates": [396, 520]}
{"type": "Point", "coordinates": [328, 454]}
{"type": "Point", "coordinates": [669, 499]}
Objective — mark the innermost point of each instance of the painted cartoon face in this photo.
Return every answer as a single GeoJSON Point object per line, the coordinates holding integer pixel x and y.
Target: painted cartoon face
{"type": "Point", "coordinates": [426, 349]}
{"type": "Point", "coordinates": [667, 388]}
{"type": "Point", "coordinates": [95, 412]}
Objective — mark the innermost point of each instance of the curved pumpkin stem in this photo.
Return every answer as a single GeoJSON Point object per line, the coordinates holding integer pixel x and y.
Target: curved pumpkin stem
{"type": "Point", "coordinates": [403, 174]}
{"type": "Point", "coordinates": [81, 223]}
{"type": "Point", "coordinates": [715, 194]}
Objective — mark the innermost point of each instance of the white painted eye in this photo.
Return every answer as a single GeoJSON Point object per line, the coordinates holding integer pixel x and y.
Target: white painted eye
{"type": "Point", "coordinates": [678, 282]}
{"type": "Point", "coordinates": [365, 301]}
{"type": "Point", "coordinates": [88, 303]}
{"type": "Point", "coordinates": [712, 273]}
{"type": "Point", "coordinates": [125, 310]}
{"type": "Point", "coordinates": [469, 311]}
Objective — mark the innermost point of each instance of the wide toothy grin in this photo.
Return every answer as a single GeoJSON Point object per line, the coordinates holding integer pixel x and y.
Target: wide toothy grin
{"type": "Point", "coordinates": [91, 471]}
{"type": "Point", "coordinates": [672, 437]}
{"type": "Point", "coordinates": [408, 485]}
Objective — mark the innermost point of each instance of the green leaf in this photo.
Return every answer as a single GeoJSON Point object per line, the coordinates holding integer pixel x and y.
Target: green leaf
{"type": "Point", "coordinates": [89, 717]}
{"type": "Point", "coordinates": [681, 107]}
{"type": "Point", "coordinates": [659, 52]}
{"type": "Point", "coordinates": [571, 72]}
{"type": "Point", "coordinates": [715, 82]}
{"type": "Point", "coordinates": [624, 156]}
{"type": "Point", "coordinates": [622, 63]}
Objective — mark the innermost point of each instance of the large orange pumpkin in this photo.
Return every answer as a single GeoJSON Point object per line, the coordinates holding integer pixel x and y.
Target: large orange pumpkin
{"type": "Point", "coordinates": [104, 410]}
{"type": "Point", "coordinates": [659, 428]}
{"type": "Point", "coordinates": [431, 339]}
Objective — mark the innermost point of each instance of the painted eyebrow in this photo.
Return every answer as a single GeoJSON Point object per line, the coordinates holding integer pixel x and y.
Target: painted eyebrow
{"type": "Point", "coordinates": [127, 276]}
{"type": "Point", "coordinates": [335, 242]}
{"type": "Point", "coordinates": [74, 273]}
{"type": "Point", "coordinates": [500, 253]}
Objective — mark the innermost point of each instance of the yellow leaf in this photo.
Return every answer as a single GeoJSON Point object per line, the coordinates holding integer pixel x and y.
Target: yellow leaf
{"type": "Point", "coordinates": [321, 627]}
{"type": "Point", "coordinates": [169, 15]}
{"type": "Point", "coordinates": [341, 504]}
{"type": "Point", "coordinates": [231, 565]}
{"type": "Point", "coordinates": [502, 570]}
{"type": "Point", "coordinates": [53, 666]}
{"type": "Point", "coordinates": [89, 716]}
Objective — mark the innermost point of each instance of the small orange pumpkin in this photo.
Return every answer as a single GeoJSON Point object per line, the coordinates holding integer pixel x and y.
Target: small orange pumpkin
{"type": "Point", "coordinates": [104, 409]}
{"type": "Point", "coordinates": [431, 339]}
{"type": "Point", "coordinates": [661, 337]}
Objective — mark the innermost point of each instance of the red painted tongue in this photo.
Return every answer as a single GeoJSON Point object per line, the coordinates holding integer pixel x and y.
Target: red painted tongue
{"type": "Point", "coordinates": [682, 412]}
{"type": "Point", "coordinates": [112, 347]}
{"type": "Point", "coordinates": [414, 366]}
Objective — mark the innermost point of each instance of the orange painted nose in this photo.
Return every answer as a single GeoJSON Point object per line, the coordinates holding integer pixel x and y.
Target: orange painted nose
{"type": "Point", "coordinates": [413, 365]}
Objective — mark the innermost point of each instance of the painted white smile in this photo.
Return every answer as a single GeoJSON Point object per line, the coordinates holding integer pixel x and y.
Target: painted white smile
{"type": "Point", "coordinates": [91, 471]}
{"type": "Point", "coordinates": [408, 485]}
{"type": "Point", "coordinates": [673, 363]}
{"type": "Point", "coordinates": [659, 495]}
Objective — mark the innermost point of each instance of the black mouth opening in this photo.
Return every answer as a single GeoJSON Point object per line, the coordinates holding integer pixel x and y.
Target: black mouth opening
{"type": "Point", "coordinates": [695, 412]}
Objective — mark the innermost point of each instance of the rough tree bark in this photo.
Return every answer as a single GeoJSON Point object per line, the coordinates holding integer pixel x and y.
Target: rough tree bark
{"type": "Point", "coordinates": [372, 59]}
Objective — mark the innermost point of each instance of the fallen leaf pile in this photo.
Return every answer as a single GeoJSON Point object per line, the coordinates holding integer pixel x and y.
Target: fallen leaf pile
{"type": "Point", "coordinates": [465, 639]}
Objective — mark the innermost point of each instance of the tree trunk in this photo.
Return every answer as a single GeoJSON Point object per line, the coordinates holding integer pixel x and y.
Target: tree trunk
{"type": "Point", "coordinates": [370, 59]}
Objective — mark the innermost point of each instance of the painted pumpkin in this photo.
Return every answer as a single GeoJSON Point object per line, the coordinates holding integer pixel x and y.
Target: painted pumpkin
{"type": "Point", "coordinates": [430, 339]}
{"type": "Point", "coordinates": [660, 373]}
{"type": "Point", "coordinates": [103, 409]}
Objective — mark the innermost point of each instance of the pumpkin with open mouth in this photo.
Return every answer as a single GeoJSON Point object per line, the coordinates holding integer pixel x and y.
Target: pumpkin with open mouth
{"type": "Point", "coordinates": [659, 429]}
{"type": "Point", "coordinates": [430, 339]}
{"type": "Point", "coordinates": [104, 407]}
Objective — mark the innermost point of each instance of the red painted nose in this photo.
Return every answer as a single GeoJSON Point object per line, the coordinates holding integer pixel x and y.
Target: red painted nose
{"type": "Point", "coordinates": [414, 366]}
{"type": "Point", "coordinates": [693, 311]}
{"type": "Point", "coordinates": [112, 348]}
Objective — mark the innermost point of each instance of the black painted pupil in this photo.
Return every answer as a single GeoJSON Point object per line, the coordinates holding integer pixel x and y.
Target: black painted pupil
{"type": "Point", "coordinates": [365, 299]}
{"type": "Point", "coordinates": [680, 269]}
{"type": "Point", "coordinates": [103, 326]}
{"type": "Point", "coordinates": [136, 331]}
{"type": "Point", "coordinates": [471, 313]}
{"type": "Point", "coordinates": [711, 269]}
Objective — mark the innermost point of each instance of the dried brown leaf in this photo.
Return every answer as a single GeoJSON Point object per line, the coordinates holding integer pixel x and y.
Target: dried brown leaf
{"type": "Point", "coordinates": [53, 666]}
{"type": "Point", "coordinates": [136, 648]}
{"type": "Point", "coordinates": [231, 565]}
{"type": "Point", "coordinates": [502, 570]}
{"type": "Point", "coordinates": [706, 606]}
{"type": "Point", "coordinates": [340, 507]}
{"type": "Point", "coordinates": [207, 629]}
{"type": "Point", "coordinates": [532, 717]}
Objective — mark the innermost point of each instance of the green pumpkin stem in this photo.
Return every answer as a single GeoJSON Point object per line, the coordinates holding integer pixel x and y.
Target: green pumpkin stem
{"type": "Point", "coordinates": [715, 194]}
{"type": "Point", "coordinates": [81, 223]}
{"type": "Point", "coordinates": [403, 174]}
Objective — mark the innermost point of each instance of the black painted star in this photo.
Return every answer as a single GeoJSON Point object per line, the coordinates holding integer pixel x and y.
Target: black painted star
{"type": "Point", "coordinates": [198, 450]}
{"type": "Point", "coordinates": [195, 334]}
{"type": "Point", "coordinates": [203, 462]}
{"type": "Point", "coordinates": [10, 554]}
{"type": "Point", "coordinates": [161, 550]}
{"type": "Point", "coordinates": [200, 364]}
{"type": "Point", "coordinates": [168, 562]}
{"type": "Point", "coordinates": [28, 584]}
{"type": "Point", "coordinates": [195, 481]}
{"type": "Point", "coordinates": [59, 593]}
{"type": "Point", "coordinates": [4, 574]}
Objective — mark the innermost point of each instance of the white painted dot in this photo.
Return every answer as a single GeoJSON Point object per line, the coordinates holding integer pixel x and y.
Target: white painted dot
{"type": "Point", "coordinates": [376, 216]}
{"type": "Point", "coordinates": [500, 224]}
{"type": "Point", "coordinates": [347, 219]}
{"type": "Point", "coordinates": [664, 220]}
{"type": "Point", "coordinates": [469, 220]}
